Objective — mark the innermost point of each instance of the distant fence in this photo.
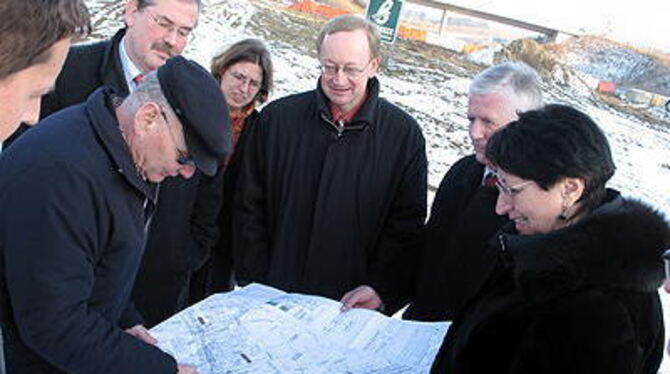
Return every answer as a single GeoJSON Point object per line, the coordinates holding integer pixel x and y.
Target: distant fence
{"type": "Point", "coordinates": [327, 11]}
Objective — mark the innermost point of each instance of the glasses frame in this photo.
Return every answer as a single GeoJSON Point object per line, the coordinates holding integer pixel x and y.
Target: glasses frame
{"type": "Point", "coordinates": [168, 26]}
{"type": "Point", "coordinates": [183, 157]}
{"type": "Point", "coordinates": [244, 80]}
{"type": "Point", "coordinates": [666, 260]}
{"type": "Point", "coordinates": [351, 72]}
{"type": "Point", "coordinates": [510, 190]}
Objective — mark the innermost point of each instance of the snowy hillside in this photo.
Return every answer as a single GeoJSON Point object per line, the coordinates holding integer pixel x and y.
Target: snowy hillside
{"type": "Point", "coordinates": [614, 62]}
{"type": "Point", "coordinates": [431, 86]}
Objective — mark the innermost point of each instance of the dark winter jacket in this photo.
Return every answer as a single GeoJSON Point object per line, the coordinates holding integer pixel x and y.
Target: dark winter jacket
{"type": "Point", "coordinates": [86, 68]}
{"type": "Point", "coordinates": [322, 209]}
{"type": "Point", "coordinates": [182, 232]}
{"type": "Point", "coordinates": [582, 299]}
{"type": "Point", "coordinates": [457, 258]}
{"type": "Point", "coordinates": [184, 227]}
{"type": "Point", "coordinates": [73, 228]}
{"type": "Point", "coordinates": [220, 272]}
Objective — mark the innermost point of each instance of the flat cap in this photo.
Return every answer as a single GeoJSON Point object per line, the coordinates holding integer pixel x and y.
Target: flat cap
{"type": "Point", "coordinates": [196, 98]}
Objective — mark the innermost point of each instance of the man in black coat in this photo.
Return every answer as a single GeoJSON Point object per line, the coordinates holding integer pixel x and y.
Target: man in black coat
{"type": "Point", "coordinates": [332, 189]}
{"type": "Point", "coordinates": [74, 220]}
{"type": "Point", "coordinates": [456, 258]}
{"type": "Point", "coordinates": [184, 226]}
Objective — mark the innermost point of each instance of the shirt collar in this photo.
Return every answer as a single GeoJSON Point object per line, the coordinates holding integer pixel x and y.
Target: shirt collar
{"type": "Point", "coordinates": [487, 171]}
{"type": "Point", "coordinates": [339, 115]}
{"type": "Point", "coordinates": [130, 70]}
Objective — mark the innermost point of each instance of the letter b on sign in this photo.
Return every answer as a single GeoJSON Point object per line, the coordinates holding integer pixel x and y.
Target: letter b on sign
{"type": "Point", "coordinates": [385, 14]}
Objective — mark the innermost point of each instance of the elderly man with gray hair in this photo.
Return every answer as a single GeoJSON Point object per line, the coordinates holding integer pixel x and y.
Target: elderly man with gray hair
{"type": "Point", "coordinates": [456, 258]}
{"type": "Point", "coordinates": [76, 197]}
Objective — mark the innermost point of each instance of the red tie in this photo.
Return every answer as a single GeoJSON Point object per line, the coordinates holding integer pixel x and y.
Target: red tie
{"type": "Point", "coordinates": [490, 180]}
{"type": "Point", "coordinates": [138, 79]}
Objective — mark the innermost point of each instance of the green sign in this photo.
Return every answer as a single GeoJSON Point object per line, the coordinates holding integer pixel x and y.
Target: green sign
{"type": "Point", "coordinates": [385, 14]}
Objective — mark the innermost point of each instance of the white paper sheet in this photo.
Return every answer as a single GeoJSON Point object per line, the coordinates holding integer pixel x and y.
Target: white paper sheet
{"type": "Point", "coordinates": [259, 329]}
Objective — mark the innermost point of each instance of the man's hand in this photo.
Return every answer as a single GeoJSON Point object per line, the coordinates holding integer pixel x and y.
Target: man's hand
{"type": "Point", "coordinates": [141, 333]}
{"type": "Point", "coordinates": [186, 369]}
{"type": "Point", "coordinates": [361, 297]}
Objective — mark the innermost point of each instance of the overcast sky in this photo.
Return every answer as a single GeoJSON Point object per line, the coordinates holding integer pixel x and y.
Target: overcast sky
{"type": "Point", "coordinates": [640, 22]}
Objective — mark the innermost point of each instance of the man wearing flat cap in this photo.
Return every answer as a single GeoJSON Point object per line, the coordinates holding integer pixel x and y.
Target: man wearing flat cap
{"type": "Point", "coordinates": [184, 227]}
{"type": "Point", "coordinates": [76, 196]}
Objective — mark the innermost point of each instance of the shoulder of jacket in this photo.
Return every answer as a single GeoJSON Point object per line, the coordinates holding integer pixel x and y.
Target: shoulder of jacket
{"type": "Point", "coordinates": [89, 49]}
{"type": "Point", "coordinates": [400, 115]}
{"type": "Point", "coordinates": [301, 98]}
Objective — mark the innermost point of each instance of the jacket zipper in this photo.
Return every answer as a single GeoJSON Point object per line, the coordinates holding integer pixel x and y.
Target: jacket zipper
{"type": "Point", "coordinates": [339, 126]}
{"type": "Point", "coordinates": [501, 241]}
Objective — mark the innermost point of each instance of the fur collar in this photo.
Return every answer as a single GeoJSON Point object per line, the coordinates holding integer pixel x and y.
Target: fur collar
{"type": "Point", "coordinates": [619, 245]}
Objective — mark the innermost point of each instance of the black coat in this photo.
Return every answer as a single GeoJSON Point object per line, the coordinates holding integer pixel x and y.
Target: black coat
{"type": "Point", "coordinates": [86, 68]}
{"type": "Point", "coordinates": [219, 275]}
{"type": "Point", "coordinates": [184, 227]}
{"type": "Point", "coordinates": [182, 232]}
{"type": "Point", "coordinates": [71, 239]}
{"type": "Point", "coordinates": [457, 258]}
{"type": "Point", "coordinates": [582, 299]}
{"type": "Point", "coordinates": [319, 211]}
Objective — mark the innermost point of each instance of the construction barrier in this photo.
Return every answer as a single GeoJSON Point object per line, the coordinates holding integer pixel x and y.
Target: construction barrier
{"type": "Point", "coordinates": [411, 33]}
{"type": "Point", "coordinates": [606, 87]}
{"type": "Point", "coordinates": [307, 6]}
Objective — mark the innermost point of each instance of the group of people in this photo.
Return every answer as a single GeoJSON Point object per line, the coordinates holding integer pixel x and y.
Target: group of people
{"type": "Point", "coordinates": [151, 183]}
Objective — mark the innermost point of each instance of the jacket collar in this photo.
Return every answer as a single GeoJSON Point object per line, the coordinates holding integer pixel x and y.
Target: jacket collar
{"type": "Point", "coordinates": [618, 245]}
{"type": "Point", "coordinates": [106, 127]}
{"type": "Point", "coordinates": [365, 116]}
{"type": "Point", "coordinates": [111, 70]}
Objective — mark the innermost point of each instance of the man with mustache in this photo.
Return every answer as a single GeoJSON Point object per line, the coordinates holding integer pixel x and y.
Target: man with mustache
{"type": "Point", "coordinates": [184, 225]}
{"type": "Point", "coordinates": [155, 31]}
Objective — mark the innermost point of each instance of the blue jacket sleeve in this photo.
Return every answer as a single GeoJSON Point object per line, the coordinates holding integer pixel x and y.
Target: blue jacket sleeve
{"type": "Point", "coordinates": [51, 240]}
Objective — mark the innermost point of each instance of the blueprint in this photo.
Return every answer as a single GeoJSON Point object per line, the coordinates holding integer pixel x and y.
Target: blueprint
{"type": "Point", "coordinates": [259, 329]}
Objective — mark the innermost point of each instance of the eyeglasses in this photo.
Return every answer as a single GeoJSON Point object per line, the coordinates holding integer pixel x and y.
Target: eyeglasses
{"type": "Point", "coordinates": [169, 27]}
{"type": "Point", "coordinates": [349, 71]}
{"type": "Point", "coordinates": [666, 259]}
{"type": "Point", "coordinates": [182, 155]}
{"type": "Point", "coordinates": [511, 190]}
{"type": "Point", "coordinates": [243, 80]}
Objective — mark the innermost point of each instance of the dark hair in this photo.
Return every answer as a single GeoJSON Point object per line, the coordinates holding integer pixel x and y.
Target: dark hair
{"type": "Point", "coordinates": [552, 143]}
{"type": "Point", "coordinates": [29, 28]}
{"type": "Point", "coordinates": [247, 50]}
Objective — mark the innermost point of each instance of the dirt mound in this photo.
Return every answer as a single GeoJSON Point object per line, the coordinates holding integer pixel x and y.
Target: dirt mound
{"type": "Point", "coordinates": [622, 64]}
{"type": "Point", "coordinates": [530, 52]}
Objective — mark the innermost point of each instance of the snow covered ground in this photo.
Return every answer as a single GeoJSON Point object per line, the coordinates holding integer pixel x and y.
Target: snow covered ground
{"type": "Point", "coordinates": [436, 97]}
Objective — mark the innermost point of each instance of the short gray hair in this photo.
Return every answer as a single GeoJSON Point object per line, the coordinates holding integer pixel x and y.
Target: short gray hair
{"type": "Point", "coordinates": [350, 22]}
{"type": "Point", "coordinates": [519, 83]}
{"type": "Point", "coordinates": [149, 91]}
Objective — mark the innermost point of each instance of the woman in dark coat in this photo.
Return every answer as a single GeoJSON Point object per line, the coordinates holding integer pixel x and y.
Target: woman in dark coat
{"type": "Point", "coordinates": [244, 71]}
{"type": "Point", "coordinates": [579, 266]}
